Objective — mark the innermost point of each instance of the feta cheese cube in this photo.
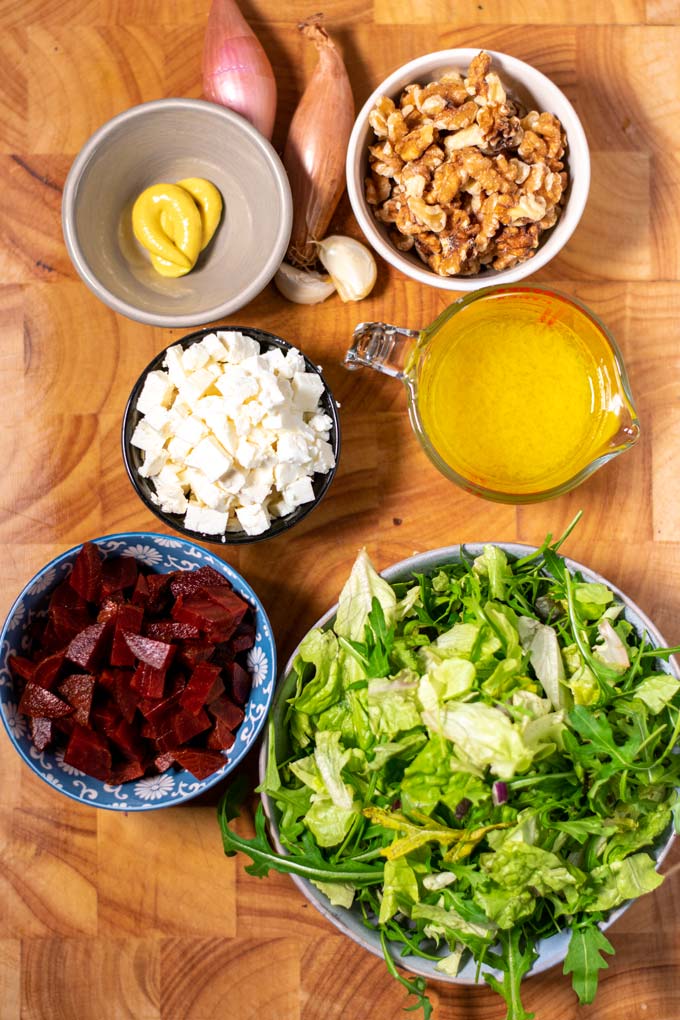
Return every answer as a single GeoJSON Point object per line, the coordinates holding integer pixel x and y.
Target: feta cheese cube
{"type": "Point", "coordinates": [286, 473]}
{"type": "Point", "coordinates": [173, 364]}
{"type": "Point", "coordinates": [307, 388]}
{"type": "Point", "coordinates": [211, 458]}
{"type": "Point", "coordinates": [255, 492]}
{"type": "Point", "coordinates": [254, 411]}
{"type": "Point", "coordinates": [237, 387]}
{"type": "Point", "coordinates": [320, 422]}
{"type": "Point", "coordinates": [159, 419]}
{"type": "Point", "coordinates": [280, 508]}
{"type": "Point", "coordinates": [214, 347]}
{"type": "Point", "coordinates": [147, 438]}
{"type": "Point", "coordinates": [191, 430]}
{"type": "Point", "coordinates": [288, 418]}
{"type": "Point", "coordinates": [201, 518]}
{"type": "Point", "coordinates": [323, 458]}
{"type": "Point", "coordinates": [295, 363]}
{"type": "Point", "coordinates": [195, 385]}
{"type": "Point", "coordinates": [272, 393]}
{"type": "Point", "coordinates": [238, 346]}
{"type": "Point", "coordinates": [152, 463]}
{"type": "Point", "coordinates": [179, 449]}
{"type": "Point", "coordinates": [247, 454]}
{"type": "Point", "coordinates": [299, 491]}
{"type": "Point", "coordinates": [157, 391]}
{"type": "Point", "coordinates": [194, 357]}
{"type": "Point", "coordinates": [253, 518]}
{"type": "Point", "coordinates": [207, 492]}
{"type": "Point", "coordinates": [291, 447]}
{"type": "Point", "coordinates": [233, 481]}
{"type": "Point", "coordinates": [275, 360]}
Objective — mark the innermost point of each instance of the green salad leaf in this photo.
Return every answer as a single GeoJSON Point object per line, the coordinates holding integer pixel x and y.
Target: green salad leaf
{"type": "Point", "coordinates": [472, 760]}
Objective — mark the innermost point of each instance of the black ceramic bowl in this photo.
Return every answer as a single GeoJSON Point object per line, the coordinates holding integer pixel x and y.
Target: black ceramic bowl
{"type": "Point", "coordinates": [133, 457]}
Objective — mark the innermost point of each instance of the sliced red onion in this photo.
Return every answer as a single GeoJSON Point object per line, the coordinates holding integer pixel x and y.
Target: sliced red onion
{"type": "Point", "coordinates": [499, 793]}
{"type": "Point", "coordinates": [462, 809]}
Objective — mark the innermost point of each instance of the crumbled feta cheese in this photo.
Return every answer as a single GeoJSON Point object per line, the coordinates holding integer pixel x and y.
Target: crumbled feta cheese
{"type": "Point", "coordinates": [231, 436]}
{"type": "Point", "coordinates": [202, 518]}
{"type": "Point", "coordinates": [210, 458]}
{"type": "Point", "coordinates": [157, 391]}
{"type": "Point", "coordinates": [253, 519]}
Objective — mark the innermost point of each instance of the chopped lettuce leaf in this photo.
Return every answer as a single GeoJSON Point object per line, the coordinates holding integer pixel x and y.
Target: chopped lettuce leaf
{"type": "Point", "coordinates": [484, 735]}
{"type": "Point", "coordinates": [356, 598]}
{"type": "Point", "coordinates": [493, 563]}
{"type": "Point", "coordinates": [340, 894]}
{"type": "Point", "coordinates": [656, 691]}
{"type": "Point", "coordinates": [611, 651]}
{"type": "Point", "coordinates": [622, 880]}
{"type": "Point", "coordinates": [400, 889]}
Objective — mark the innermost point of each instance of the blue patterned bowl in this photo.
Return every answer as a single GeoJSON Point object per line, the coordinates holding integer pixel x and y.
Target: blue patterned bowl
{"type": "Point", "coordinates": [162, 554]}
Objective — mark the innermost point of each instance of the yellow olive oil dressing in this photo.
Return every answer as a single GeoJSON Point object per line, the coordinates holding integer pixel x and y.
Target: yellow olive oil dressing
{"type": "Point", "coordinates": [520, 393]}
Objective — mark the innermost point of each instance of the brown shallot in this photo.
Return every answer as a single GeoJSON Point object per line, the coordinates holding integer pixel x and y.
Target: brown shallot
{"type": "Point", "coordinates": [236, 71]}
{"type": "Point", "coordinates": [315, 150]}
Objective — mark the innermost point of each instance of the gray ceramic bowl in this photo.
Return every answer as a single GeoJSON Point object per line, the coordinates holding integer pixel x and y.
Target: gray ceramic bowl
{"type": "Point", "coordinates": [551, 951]}
{"type": "Point", "coordinates": [166, 140]}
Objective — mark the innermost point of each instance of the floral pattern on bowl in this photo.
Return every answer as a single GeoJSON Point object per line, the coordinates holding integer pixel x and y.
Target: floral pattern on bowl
{"type": "Point", "coordinates": [162, 554]}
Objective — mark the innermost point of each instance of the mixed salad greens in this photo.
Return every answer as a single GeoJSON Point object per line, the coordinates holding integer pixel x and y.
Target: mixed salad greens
{"type": "Point", "coordinates": [475, 759]}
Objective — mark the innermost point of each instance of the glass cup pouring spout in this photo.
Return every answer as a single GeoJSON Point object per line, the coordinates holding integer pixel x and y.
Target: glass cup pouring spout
{"type": "Point", "coordinates": [387, 349]}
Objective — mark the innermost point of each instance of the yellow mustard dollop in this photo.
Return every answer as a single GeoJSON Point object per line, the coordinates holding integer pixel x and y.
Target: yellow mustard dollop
{"type": "Point", "coordinates": [175, 222]}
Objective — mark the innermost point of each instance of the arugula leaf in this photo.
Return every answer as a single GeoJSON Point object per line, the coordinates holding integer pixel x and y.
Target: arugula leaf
{"type": "Point", "coordinates": [414, 987]}
{"type": "Point", "coordinates": [584, 959]}
{"type": "Point", "coordinates": [515, 960]}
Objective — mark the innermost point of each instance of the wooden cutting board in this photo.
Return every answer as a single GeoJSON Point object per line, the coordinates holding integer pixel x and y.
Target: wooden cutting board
{"type": "Point", "coordinates": [103, 916]}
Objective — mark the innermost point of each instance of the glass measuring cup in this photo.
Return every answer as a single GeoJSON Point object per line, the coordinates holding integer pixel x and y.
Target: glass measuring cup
{"type": "Point", "coordinates": [516, 394]}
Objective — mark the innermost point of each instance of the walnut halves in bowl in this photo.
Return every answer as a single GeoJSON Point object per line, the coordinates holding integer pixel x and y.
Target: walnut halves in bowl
{"type": "Point", "coordinates": [463, 175]}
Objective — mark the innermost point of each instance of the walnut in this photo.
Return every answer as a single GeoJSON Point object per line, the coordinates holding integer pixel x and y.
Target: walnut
{"type": "Point", "coordinates": [463, 174]}
{"type": "Point", "coordinates": [415, 142]}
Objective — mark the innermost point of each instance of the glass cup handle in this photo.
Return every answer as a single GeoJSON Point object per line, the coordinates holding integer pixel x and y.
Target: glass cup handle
{"type": "Point", "coordinates": [385, 348]}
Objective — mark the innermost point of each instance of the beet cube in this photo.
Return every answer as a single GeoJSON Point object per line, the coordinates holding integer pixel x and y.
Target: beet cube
{"type": "Point", "coordinates": [201, 764]}
{"type": "Point", "coordinates": [67, 612]}
{"type": "Point", "coordinates": [232, 603]}
{"type": "Point", "coordinates": [221, 738]}
{"type": "Point", "coordinates": [186, 726]}
{"type": "Point", "coordinates": [148, 682]}
{"type": "Point", "coordinates": [215, 621]}
{"type": "Point", "coordinates": [157, 654]}
{"type": "Point", "coordinates": [118, 573]}
{"type": "Point", "coordinates": [38, 701]}
{"type": "Point", "coordinates": [41, 732]}
{"type": "Point", "coordinates": [87, 648]}
{"type": "Point", "coordinates": [171, 631]}
{"type": "Point", "coordinates": [86, 576]}
{"type": "Point", "coordinates": [125, 773]}
{"type": "Point", "coordinates": [123, 735]}
{"type": "Point", "coordinates": [124, 695]}
{"type": "Point", "coordinates": [157, 712]}
{"type": "Point", "coordinates": [89, 752]}
{"type": "Point", "coordinates": [21, 666]}
{"type": "Point", "coordinates": [109, 609]}
{"type": "Point", "coordinates": [159, 588]}
{"type": "Point", "coordinates": [47, 670]}
{"type": "Point", "coordinates": [240, 682]}
{"type": "Point", "coordinates": [230, 714]}
{"type": "Point", "coordinates": [201, 682]}
{"type": "Point", "coordinates": [128, 619]}
{"type": "Point", "coordinates": [186, 582]}
{"type": "Point", "coordinates": [140, 595]}
{"type": "Point", "coordinates": [192, 652]}
{"type": "Point", "coordinates": [215, 691]}
{"type": "Point", "coordinates": [243, 639]}
{"type": "Point", "coordinates": [105, 718]}
{"type": "Point", "coordinates": [78, 690]}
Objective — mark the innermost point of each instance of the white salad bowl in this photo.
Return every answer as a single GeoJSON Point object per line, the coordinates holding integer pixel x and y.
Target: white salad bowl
{"type": "Point", "coordinates": [551, 951]}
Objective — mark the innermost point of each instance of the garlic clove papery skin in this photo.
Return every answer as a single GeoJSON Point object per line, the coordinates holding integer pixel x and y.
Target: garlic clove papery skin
{"type": "Point", "coordinates": [350, 264]}
{"type": "Point", "coordinates": [303, 286]}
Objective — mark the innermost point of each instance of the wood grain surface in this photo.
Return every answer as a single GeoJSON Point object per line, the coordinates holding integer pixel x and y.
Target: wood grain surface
{"type": "Point", "coordinates": [142, 917]}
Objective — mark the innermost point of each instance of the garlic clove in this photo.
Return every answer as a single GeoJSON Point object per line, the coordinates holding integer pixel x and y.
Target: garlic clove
{"type": "Point", "coordinates": [303, 286]}
{"type": "Point", "coordinates": [350, 264]}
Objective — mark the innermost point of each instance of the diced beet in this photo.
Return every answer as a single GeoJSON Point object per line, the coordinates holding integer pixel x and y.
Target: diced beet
{"type": "Point", "coordinates": [118, 573]}
{"type": "Point", "coordinates": [162, 762]}
{"type": "Point", "coordinates": [78, 690]}
{"type": "Point", "coordinates": [107, 679]}
{"type": "Point", "coordinates": [41, 732]}
{"type": "Point", "coordinates": [47, 670]}
{"type": "Point", "coordinates": [175, 683]}
{"type": "Point", "coordinates": [186, 582]}
{"type": "Point", "coordinates": [186, 726]}
{"type": "Point", "coordinates": [87, 648]}
{"type": "Point", "coordinates": [86, 576]}
{"type": "Point", "coordinates": [127, 772]}
{"type": "Point", "coordinates": [159, 589]}
{"type": "Point", "coordinates": [50, 640]}
{"type": "Point", "coordinates": [21, 666]}
{"type": "Point", "coordinates": [201, 764]}
{"type": "Point", "coordinates": [243, 639]}
{"type": "Point", "coordinates": [140, 595]}
{"type": "Point", "coordinates": [201, 681]}
{"type": "Point", "coordinates": [171, 631]}
{"type": "Point", "coordinates": [64, 725]}
{"type": "Point", "coordinates": [124, 736]}
{"type": "Point", "coordinates": [157, 654]}
{"type": "Point", "coordinates": [192, 652]}
{"type": "Point", "coordinates": [104, 718]}
{"type": "Point", "coordinates": [232, 603]}
{"type": "Point", "coordinates": [128, 619]}
{"type": "Point", "coordinates": [224, 709]}
{"type": "Point", "coordinates": [90, 753]}
{"type": "Point", "coordinates": [148, 682]}
{"type": "Point", "coordinates": [38, 701]}
{"type": "Point", "coordinates": [240, 682]}
{"type": "Point", "coordinates": [158, 711]}
{"type": "Point", "coordinates": [215, 621]}
{"type": "Point", "coordinates": [67, 612]}
{"type": "Point", "coordinates": [215, 691]}
{"type": "Point", "coordinates": [64, 596]}
{"type": "Point", "coordinates": [220, 737]}
{"type": "Point", "coordinates": [124, 695]}
{"type": "Point", "coordinates": [109, 609]}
